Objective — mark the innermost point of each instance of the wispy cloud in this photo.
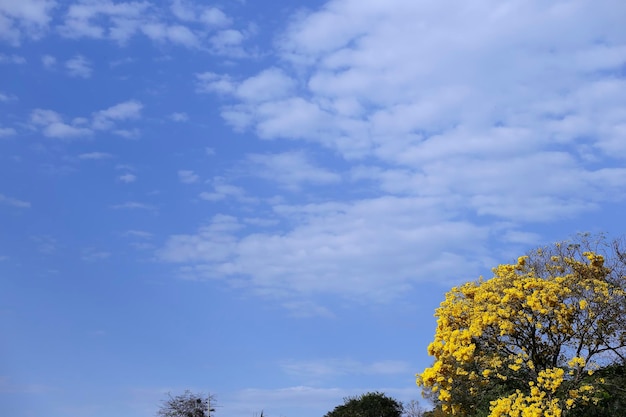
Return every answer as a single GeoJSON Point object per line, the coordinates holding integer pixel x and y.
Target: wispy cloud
{"type": "Point", "coordinates": [12, 59]}
{"type": "Point", "coordinates": [14, 202]}
{"type": "Point", "coordinates": [184, 23]}
{"type": "Point", "coordinates": [78, 66]}
{"type": "Point", "coordinates": [26, 18]}
{"type": "Point", "coordinates": [127, 178]}
{"type": "Point", "coordinates": [133, 205]}
{"type": "Point", "coordinates": [6, 97]}
{"type": "Point", "coordinates": [342, 249]}
{"type": "Point", "coordinates": [333, 367]}
{"type": "Point", "coordinates": [92, 255]}
{"type": "Point", "coordinates": [140, 234]}
{"type": "Point", "coordinates": [127, 110]}
{"type": "Point", "coordinates": [223, 191]}
{"type": "Point", "coordinates": [179, 117]}
{"type": "Point", "coordinates": [188, 177]}
{"type": "Point", "coordinates": [7, 131]}
{"type": "Point", "coordinates": [290, 170]}
{"type": "Point", "coordinates": [53, 124]}
{"type": "Point", "coordinates": [95, 155]}
{"type": "Point", "coordinates": [48, 61]}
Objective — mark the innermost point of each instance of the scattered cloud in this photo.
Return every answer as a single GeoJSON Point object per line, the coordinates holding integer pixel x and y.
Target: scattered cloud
{"type": "Point", "coordinates": [14, 202]}
{"type": "Point", "coordinates": [128, 133]}
{"type": "Point", "coordinates": [139, 234]}
{"type": "Point", "coordinates": [79, 67]}
{"type": "Point", "coordinates": [127, 178]}
{"type": "Point", "coordinates": [335, 367]}
{"type": "Point", "coordinates": [48, 61]}
{"type": "Point", "coordinates": [177, 34]}
{"type": "Point", "coordinates": [187, 24]}
{"type": "Point", "coordinates": [133, 205]}
{"type": "Point", "coordinates": [222, 191]}
{"type": "Point", "coordinates": [179, 117]}
{"type": "Point", "coordinates": [188, 177]}
{"type": "Point", "coordinates": [7, 131]}
{"type": "Point", "coordinates": [210, 16]}
{"type": "Point", "coordinates": [102, 19]}
{"type": "Point", "coordinates": [95, 155]}
{"type": "Point", "coordinates": [92, 255]}
{"type": "Point", "coordinates": [341, 249]}
{"type": "Point", "coordinates": [45, 244]}
{"type": "Point", "coordinates": [53, 126]}
{"type": "Point", "coordinates": [290, 170]}
{"type": "Point", "coordinates": [127, 110]}
{"type": "Point", "coordinates": [11, 387]}
{"type": "Point", "coordinates": [228, 42]}
{"type": "Point", "coordinates": [6, 97]}
{"type": "Point", "coordinates": [25, 18]}
{"type": "Point", "coordinates": [12, 59]}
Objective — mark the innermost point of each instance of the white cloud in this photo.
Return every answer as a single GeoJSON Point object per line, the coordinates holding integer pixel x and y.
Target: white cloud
{"type": "Point", "coordinates": [95, 155]}
{"type": "Point", "coordinates": [179, 117]}
{"type": "Point", "coordinates": [7, 131]}
{"type": "Point", "coordinates": [127, 178]}
{"type": "Point", "coordinates": [228, 42]}
{"type": "Point", "coordinates": [460, 128]}
{"type": "Point", "coordinates": [290, 170]}
{"type": "Point", "coordinates": [12, 59]}
{"type": "Point", "coordinates": [24, 18]}
{"type": "Point", "coordinates": [334, 367]}
{"type": "Point", "coordinates": [48, 61]}
{"type": "Point", "coordinates": [270, 84]}
{"type": "Point", "coordinates": [358, 250]}
{"type": "Point", "coordinates": [432, 106]}
{"type": "Point", "coordinates": [5, 97]}
{"type": "Point", "coordinates": [53, 126]}
{"type": "Point", "coordinates": [127, 110]}
{"type": "Point", "coordinates": [187, 177]}
{"type": "Point", "coordinates": [79, 67]}
{"type": "Point", "coordinates": [210, 82]}
{"type": "Point", "coordinates": [133, 205]}
{"type": "Point", "coordinates": [103, 18]}
{"type": "Point", "coordinates": [191, 12]}
{"type": "Point", "coordinates": [14, 202]}
{"type": "Point", "coordinates": [92, 255]}
{"type": "Point", "coordinates": [177, 34]}
{"type": "Point", "coordinates": [128, 133]}
{"type": "Point", "coordinates": [223, 191]}
{"type": "Point", "coordinates": [140, 234]}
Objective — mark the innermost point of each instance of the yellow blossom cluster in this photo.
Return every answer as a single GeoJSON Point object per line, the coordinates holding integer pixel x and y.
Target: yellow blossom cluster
{"type": "Point", "coordinates": [531, 330]}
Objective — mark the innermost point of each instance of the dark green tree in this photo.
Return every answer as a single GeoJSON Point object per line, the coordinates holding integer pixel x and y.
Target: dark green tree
{"type": "Point", "coordinates": [372, 404]}
{"type": "Point", "coordinates": [187, 404]}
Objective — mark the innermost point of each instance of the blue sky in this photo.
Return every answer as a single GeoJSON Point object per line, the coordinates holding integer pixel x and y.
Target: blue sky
{"type": "Point", "coordinates": [267, 200]}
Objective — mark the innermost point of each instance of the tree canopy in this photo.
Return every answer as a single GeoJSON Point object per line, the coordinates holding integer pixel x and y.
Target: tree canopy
{"type": "Point", "coordinates": [372, 404]}
{"type": "Point", "coordinates": [187, 404]}
{"type": "Point", "coordinates": [536, 340]}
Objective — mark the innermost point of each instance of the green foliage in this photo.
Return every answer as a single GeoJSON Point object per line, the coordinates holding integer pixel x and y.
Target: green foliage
{"type": "Point", "coordinates": [372, 404]}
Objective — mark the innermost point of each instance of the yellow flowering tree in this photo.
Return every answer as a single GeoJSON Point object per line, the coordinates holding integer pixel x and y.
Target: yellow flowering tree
{"type": "Point", "coordinates": [526, 342]}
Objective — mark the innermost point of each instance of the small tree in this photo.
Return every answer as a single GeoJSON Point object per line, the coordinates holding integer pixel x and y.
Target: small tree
{"type": "Point", "coordinates": [187, 405]}
{"type": "Point", "coordinates": [413, 409]}
{"type": "Point", "coordinates": [372, 404]}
